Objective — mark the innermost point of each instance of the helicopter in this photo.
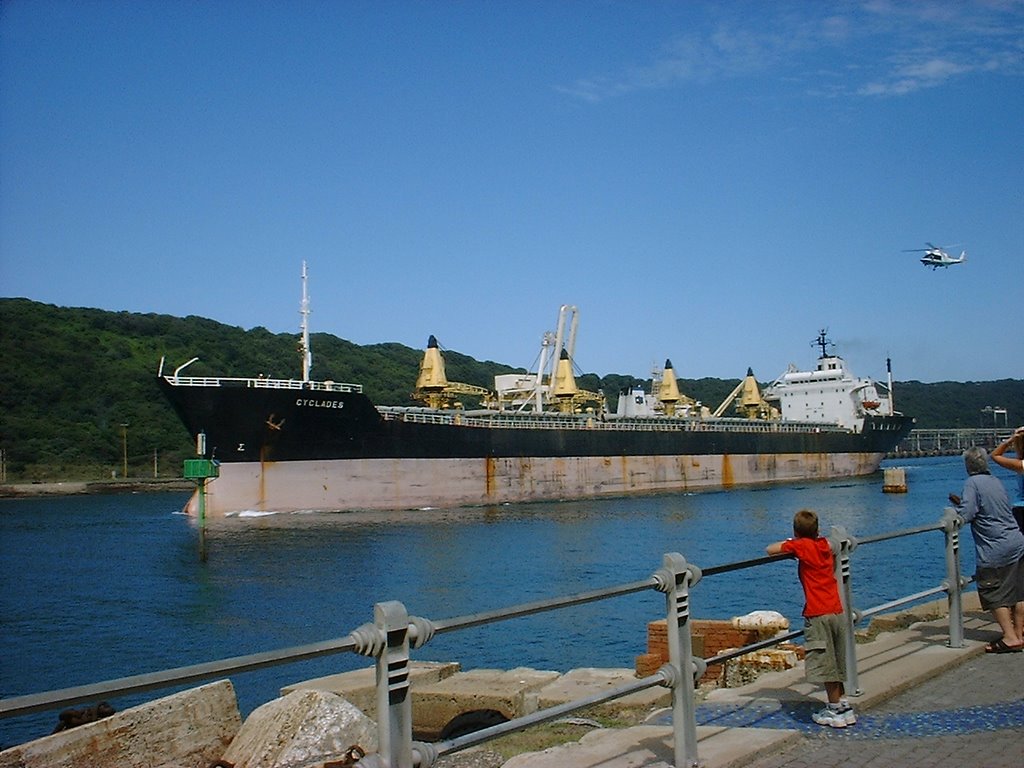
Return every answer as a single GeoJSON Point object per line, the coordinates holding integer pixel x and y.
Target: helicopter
{"type": "Point", "coordinates": [935, 256]}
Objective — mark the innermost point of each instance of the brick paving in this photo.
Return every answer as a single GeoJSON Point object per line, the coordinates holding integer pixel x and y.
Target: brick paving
{"type": "Point", "coordinates": [970, 715]}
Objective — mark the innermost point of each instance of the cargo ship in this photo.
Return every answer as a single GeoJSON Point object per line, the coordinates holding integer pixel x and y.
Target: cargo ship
{"type": "Point", "coordinates": [290, 445]}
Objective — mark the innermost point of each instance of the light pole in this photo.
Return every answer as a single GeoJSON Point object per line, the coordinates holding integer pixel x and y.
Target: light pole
{"type": "Point", "coordinates": [124, 447]}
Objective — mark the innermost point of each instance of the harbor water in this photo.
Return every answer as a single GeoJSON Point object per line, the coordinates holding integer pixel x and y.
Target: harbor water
{"type": "Point", "coordinates": [101, 587]}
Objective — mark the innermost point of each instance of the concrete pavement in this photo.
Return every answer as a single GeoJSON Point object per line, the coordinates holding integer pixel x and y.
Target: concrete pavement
{"type": "Point", "coordinates": [962, 717]}
{"type": "Point", "coordinates": [921, 703]}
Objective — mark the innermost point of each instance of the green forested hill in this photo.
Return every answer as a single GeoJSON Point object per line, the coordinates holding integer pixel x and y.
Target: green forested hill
{"type": "Point", "coordinates": [69, 378]}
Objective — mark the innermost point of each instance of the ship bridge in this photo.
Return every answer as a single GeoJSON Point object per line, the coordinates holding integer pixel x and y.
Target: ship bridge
{"type": "Point", "coordinates": [828, 394]}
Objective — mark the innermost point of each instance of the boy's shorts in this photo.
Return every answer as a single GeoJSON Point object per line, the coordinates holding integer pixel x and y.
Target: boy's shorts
{"type": "Point", "coordinates": [1001, 587]}
{"type": "Point", "coordinates": [825, 646]}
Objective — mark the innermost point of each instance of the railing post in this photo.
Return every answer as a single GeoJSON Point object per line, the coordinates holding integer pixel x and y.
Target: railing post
{"type": "Point", "coordinates": [842, 547]}
{"type": "Point", "coordinates": [951, 523]}
{"type": "Point", "coordinates": [675, 578]}
{"type": "Point", "coordinates": [394, 704]}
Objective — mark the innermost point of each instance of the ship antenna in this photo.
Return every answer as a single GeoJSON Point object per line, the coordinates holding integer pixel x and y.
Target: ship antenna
{"type": "Point", "coordinates": [823, 342]}
{"type": "Point", "coordinates": [307, 354]}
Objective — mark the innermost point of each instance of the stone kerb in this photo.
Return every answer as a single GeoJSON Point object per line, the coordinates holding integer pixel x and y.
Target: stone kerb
{"type": "Point", "coordinates": [190, 729]}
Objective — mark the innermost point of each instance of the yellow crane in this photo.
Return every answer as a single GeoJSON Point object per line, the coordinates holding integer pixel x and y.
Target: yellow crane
{"type": "Point", "coordinates": [749, 403]}
{"type": "Point", "coordinates": [432, 385]}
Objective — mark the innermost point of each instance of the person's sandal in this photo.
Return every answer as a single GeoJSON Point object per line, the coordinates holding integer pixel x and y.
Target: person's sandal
{"type": "Point", "coordinates": [998, 646]}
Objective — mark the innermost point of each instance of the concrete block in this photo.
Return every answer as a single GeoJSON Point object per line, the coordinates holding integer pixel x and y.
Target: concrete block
{"type": "Point", "coordinates": [894, 480]}
{"type": "Point", "coordinates": [190, 729]}
{"type": "Point", "coordinates": [582, 683]}
{"type": "Point", "coordinates": [894, 622]}
{"type": "Point", "coordinates": [359, 687]}
{"type": "Point", "coordinates": [649, 746]}
{"type": "Point", "coordinates": [306, 727]}
{"type": "Point", "coordinates": [509, 693]}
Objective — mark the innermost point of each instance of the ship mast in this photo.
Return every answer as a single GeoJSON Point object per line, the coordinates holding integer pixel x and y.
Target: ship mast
{"type": "Point", "coordinates": [307, 354]}
{"type": "Point", "coordinates": [892, 395]}
{"type": "Point", "coordinates": [823, 342]}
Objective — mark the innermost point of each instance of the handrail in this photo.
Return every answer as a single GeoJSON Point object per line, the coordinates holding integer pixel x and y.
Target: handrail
{"type": "Point", "coordinates": [739, 565]}
{"type": "Point", "coordinates": [260, 383]}
{"type": "Point", "coordinates": [393, 633]}
{"type": "Point", "coordinates": [898, 534]}
{"type": "Point", "coordinates": [40, 702]}
{"type": "Point", "coordinates": [526, 609]}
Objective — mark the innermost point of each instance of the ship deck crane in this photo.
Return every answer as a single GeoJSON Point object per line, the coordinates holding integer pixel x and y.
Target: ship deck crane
{"type": "Point", "coordinates": [432, 385]}
{"type": "Point", "coordinates": [751, 404]}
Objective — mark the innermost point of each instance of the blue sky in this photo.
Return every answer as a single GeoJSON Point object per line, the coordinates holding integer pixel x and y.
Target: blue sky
{"type": "Point", "coordinates": [707, 182]}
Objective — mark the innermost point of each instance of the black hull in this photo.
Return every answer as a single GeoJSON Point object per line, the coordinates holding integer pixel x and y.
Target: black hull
{"type": "Point", "coordinates": [252, 424]}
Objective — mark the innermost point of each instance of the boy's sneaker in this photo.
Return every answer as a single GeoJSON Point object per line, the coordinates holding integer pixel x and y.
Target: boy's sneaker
{"type": "Point", "coordinates": [846, 712]}
{"type": "Point", "coordinates": [829, 717]}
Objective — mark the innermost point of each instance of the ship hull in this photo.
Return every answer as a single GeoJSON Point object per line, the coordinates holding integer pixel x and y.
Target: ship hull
{"type": "Point", "coordinates": [285, 450]}
{"type": "Point", "coordinates": [395, 484]}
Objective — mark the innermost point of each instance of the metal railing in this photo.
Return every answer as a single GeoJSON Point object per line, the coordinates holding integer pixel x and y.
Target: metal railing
{"type": "Point", "coordinates": [262, 383]}
{"type": "Point", "coordinates": [393, 634]}
{"type": "Point", "coordinates": [592, 422]}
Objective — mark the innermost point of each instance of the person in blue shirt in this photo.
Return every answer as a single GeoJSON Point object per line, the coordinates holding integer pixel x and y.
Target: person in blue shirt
{"type": "Point", "coordinates": [998, 547]}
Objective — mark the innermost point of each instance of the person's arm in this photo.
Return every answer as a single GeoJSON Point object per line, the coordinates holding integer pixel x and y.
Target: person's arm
{"type": "Point", "coordinates": [776, 548]}
{"type": "Point", "coordinates": [967, 507]}
{"type": "Point", "coordinates": [999, 457]}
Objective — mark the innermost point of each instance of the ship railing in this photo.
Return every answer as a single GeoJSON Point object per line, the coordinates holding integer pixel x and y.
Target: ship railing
{"type": "Point", "coordinates": [261, 382]}
{"type": "Point", "coordinates": [394, 635]}
{"type": "Point", "coordinates": [499, 420]}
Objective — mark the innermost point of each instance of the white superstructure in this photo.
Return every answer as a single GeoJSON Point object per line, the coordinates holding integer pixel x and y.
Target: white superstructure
{"type": "Point", "coordinates": [830, 394]}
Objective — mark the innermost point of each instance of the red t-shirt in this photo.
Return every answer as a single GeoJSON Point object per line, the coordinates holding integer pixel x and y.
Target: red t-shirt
{"type": "Point", "coordinates": [817, 575]}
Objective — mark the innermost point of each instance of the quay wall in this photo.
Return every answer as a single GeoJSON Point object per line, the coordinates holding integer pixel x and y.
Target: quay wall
{"type": "Point", "coordinates": [89, 487]}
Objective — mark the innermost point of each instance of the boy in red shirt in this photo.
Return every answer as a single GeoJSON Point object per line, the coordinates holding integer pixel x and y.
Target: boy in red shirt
{"type": "Point", "coordinates": [824, 626]}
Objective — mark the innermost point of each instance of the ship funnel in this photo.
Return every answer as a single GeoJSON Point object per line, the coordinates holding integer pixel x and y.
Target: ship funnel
{"type": "Point", "coordinates": [668, 390]}
{"type": "Point", "coordinates": [432, 377]}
